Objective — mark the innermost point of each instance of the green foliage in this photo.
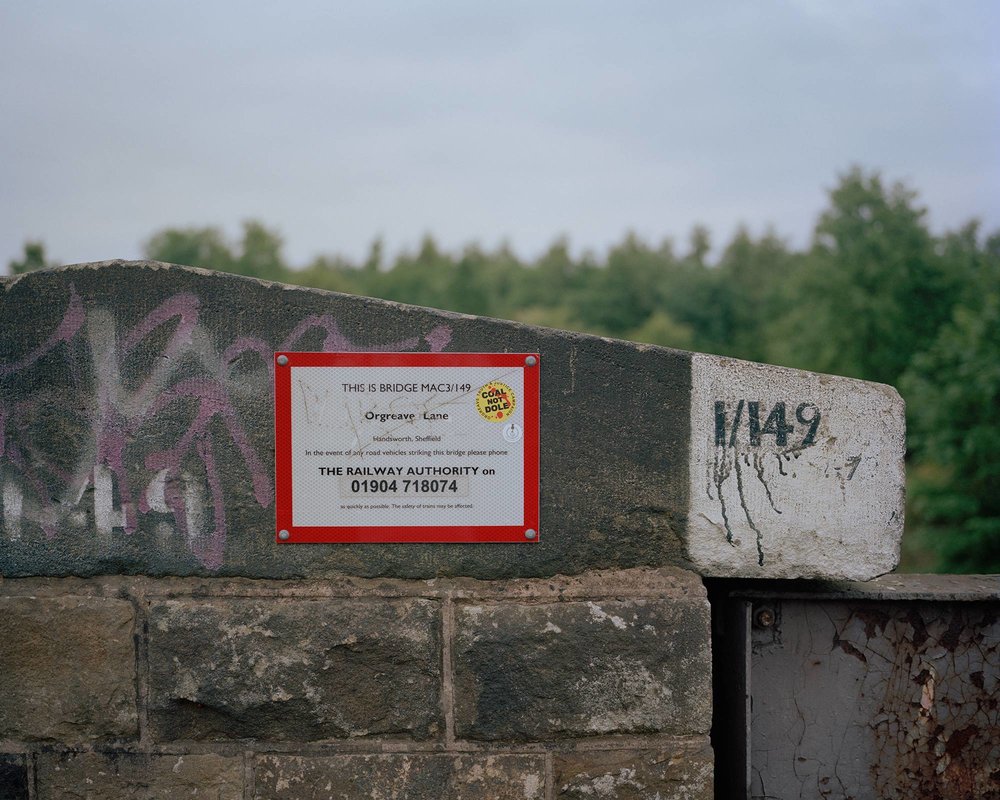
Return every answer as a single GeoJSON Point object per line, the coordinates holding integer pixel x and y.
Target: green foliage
{"type": "Point", "coordinates": [193, 247]}
{"type": "Point", "coordinates": [875, 296]}
{"type": "Point", "coordinates": [33, 258]}
{"type": "Point", "coordinates": [659, 328]}
{"type": "Point", "coordinates": [752, 292]}
{"type": "Point", "coordinates": [955, 432]}
{"type": "Point", "coordinates": [873, 291]}
{"type": "Point", "coordinates": [258, 253]}
{"type": "Point", "coordinates": [623, 294]}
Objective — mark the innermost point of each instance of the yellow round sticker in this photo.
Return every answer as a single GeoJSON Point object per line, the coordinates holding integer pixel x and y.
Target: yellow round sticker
{"type": "Point", "coordinates": [496, 402]}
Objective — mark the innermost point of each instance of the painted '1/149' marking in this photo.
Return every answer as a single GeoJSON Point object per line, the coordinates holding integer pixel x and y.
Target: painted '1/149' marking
{"type": "Point", "coordinates": [775, 424]}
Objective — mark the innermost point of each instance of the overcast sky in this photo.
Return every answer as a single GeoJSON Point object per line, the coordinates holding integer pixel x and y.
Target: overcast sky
{"type": "Point", "coordinates": [336, 122]}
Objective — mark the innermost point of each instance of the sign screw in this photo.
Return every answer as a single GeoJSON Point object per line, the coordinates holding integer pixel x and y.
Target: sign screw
{"type": "Point", "coordinates": [531, 361]}
{"type": "Point", "coordinates": [530, 534]}
{"type": "Point", "coordinates": [283, 535]}
{"type": "Point", "coordinates": [283, 360]}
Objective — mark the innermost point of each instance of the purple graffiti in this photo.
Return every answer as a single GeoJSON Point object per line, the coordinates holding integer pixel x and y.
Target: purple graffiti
{"type": "Point", "coordinates": [71, 323]}
{"type": "Point", "coordinates": [116, 418]}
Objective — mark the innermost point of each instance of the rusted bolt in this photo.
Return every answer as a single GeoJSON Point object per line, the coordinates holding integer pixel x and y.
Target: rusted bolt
{"type": "Point", "coordinates": [764, 617]}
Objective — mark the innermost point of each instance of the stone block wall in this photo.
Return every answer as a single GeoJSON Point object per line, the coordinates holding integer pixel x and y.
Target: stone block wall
{"type": "Point", "coordinates": [592, 686]}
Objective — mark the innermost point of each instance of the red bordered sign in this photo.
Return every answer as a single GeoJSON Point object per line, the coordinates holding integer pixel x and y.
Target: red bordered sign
{"type": "Point", "coordinates": [406, 447]}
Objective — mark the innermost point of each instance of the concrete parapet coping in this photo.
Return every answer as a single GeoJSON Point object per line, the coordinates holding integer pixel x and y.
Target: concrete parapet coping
{"type": "Point", "coordinates": [933, 588]}
{"type": "Point", "coordinates": [660, 583]}
{"type": "Point", "coordinates": [139, 429]}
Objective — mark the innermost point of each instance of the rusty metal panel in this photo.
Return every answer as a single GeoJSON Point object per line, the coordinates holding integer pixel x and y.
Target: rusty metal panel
{"type": "Point", "coordinates": [855, 698]}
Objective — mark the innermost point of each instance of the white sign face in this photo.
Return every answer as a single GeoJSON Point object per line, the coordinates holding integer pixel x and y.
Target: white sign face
{"type": "Point", "coordinates": [407, 447]}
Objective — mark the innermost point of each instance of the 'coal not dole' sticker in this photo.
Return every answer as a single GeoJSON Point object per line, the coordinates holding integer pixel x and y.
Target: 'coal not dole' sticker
{"type": "Point", "coordinates": [496, 402]}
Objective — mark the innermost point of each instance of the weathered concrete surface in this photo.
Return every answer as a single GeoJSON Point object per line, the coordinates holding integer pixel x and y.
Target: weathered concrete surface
{"type": "Point", "coordinates": [67, 669]}
{"type": "Point", "coordinates": [138, 776]}
{"type": "Point", "coordinates": [137, 437]}
{"type": "Point", "coordinates": [682, 770]}
{"type": "Point", "coordinates": [415, 777]}
{"type": "Point", "coordinates": [894, 700]}
{"type": "Point", "coordinates": [13, 777]}
{"type": "Point", "coordinates": [801, 475]}
{"type": "Point", "coordinates": [140, 427]}
{"type": "Point", "coordinates": [572, 669]}
{"type": "Point", "coordinates": [294, 670]}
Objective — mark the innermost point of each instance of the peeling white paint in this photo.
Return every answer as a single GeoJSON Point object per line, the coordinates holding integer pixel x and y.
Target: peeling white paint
{"type": "Point", "coordinates": [106, 516]}
{"type": "Point", "coordinates": [195, 503]}
{"type": "Point", "coordinates": [156, 492]}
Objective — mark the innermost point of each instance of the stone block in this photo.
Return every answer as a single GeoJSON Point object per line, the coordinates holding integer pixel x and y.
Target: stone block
{"type": "Point", "coordinates": [138, 776]}
{"type": "Point", "coordinates": [672, 771]}
{"type": "Point", "coordinates": [13, 777]}
{"type": "Point", "coordinates": [294, 669]}
{"type": "Point", "coordinates": [573, 669]}
{"type": "Point", "coordinates": [415, 777]}
{"type": "Point", "coordinates": [793, 474]}
{"type": "Point", "coordinates": [67, 669]}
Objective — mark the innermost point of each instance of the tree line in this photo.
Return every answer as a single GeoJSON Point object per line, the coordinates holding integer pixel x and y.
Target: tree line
{"type": "Point", "coordinates": [875, 296]}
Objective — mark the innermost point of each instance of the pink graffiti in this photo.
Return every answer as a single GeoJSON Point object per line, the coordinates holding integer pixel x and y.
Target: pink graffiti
{"type": "Point", "coordinates": [117, 418]}
{"type": "Point", "coordinates": [71, 323]}
{"type": "Point", "coordinates": [438, 338]}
